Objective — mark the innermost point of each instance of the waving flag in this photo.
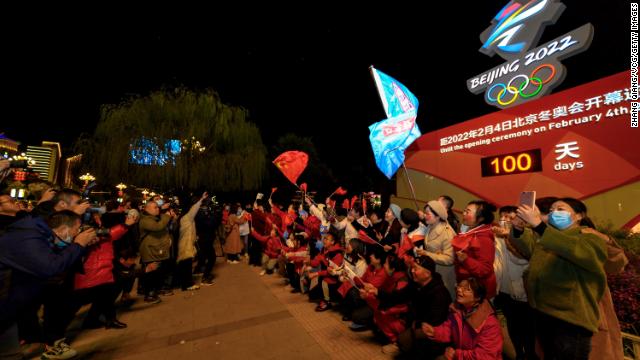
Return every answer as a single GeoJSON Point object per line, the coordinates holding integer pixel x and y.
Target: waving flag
{"type": "Point", "coordinates": [389, 138]}
{"type": "Point", "coordinates": [292, 164]}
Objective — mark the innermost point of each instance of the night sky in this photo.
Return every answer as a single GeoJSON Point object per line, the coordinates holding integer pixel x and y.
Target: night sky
{"type": "Point", "coordinates": [306, 72]}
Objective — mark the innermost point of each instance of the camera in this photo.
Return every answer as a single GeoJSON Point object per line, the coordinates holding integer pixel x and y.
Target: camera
{"type": "Point", "coordinates": [103, 232]}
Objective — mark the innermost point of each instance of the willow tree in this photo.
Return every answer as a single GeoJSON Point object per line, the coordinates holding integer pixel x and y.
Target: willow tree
{"type": "Point", "coordinates": [219, 149]}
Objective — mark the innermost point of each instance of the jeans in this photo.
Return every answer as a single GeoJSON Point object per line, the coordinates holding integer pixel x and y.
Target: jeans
{"type": "Point", "coordinates": [519, 319]}
{"type": "Point", "coordinates": [561, 340]}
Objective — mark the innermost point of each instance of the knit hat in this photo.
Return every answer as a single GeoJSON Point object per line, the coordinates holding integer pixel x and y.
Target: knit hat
{"type": "Point", "coordinates": [395, 209]}
{"type": "Point", "coordinates": [427, 263]}
{"type": "Point", "coordinates": [438, 209]}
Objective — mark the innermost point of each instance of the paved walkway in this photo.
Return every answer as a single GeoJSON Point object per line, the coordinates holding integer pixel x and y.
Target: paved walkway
{"type": "Point", "coordinates": [242, 316]}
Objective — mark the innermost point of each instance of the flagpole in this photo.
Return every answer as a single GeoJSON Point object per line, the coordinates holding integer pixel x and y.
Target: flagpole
{"type": "Point", "coordinates": [378, 87]}
{"type": "Point", "coordinates": [415, 200]}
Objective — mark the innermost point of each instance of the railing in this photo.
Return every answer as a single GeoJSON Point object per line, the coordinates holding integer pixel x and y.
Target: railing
{"type": "Point", "coordinates": [634, 347]}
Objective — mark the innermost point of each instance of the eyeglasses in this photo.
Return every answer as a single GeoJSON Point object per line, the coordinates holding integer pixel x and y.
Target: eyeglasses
{"type": "Point", "coordinates": [464, 288]}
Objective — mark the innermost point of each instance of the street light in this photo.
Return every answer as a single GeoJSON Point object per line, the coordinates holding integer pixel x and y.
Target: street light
{"type": "Point", "coordinates": [86, 178]}
{"type": "Point", "coordinates": [120, 187]}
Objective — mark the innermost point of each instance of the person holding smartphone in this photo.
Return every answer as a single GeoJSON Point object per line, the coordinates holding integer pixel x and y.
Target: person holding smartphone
{"type": "Point", "coordinates": [566, 277]}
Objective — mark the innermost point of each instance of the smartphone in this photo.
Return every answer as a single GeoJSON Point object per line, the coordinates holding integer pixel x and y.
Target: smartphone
{"type": "Point", "coordinates": [528, 198]}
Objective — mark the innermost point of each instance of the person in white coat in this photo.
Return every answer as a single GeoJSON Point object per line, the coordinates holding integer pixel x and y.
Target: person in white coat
{"type": "Point", "coordinates": [187, 246]}
{"type": "Point", "coordinates": [437, 243]}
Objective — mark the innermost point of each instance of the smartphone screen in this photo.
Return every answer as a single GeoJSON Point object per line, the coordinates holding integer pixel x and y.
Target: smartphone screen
{"type": "Point", "coordinates": [528, 198]}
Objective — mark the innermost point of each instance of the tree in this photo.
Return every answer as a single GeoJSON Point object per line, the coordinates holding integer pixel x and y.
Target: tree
{"type": "Point", "coordinates": [218, 148]}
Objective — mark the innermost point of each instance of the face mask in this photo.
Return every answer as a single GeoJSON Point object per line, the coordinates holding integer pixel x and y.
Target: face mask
{"type": "Point", "coordinates": [560, 219]}
{"type": "Point", "coordinates": [160, 202]}
{"type": "Point", "coordinates": [62, 243]}
{"type": "Point", "coordinates": [319, 245]}
{"type": "Point", "coordinates": [463, 228]}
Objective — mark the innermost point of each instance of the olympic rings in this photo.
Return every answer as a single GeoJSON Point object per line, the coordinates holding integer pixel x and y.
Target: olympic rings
{"type": "Point", "coordinates": [519, 90]}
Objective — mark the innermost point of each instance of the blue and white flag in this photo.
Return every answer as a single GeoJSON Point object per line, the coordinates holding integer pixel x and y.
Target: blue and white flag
{"type": "Point", "coordinates": [396, 98]}
{"type": "Point", "coordinates": [389, 138]}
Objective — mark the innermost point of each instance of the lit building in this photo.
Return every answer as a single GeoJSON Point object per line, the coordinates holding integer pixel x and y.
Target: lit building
{"type": "Point", "coordinates": [47, 159]}
{"type": "Point", "coordinates": [8, 146]}
{"type": "Point", "coordinates": [71, 166]}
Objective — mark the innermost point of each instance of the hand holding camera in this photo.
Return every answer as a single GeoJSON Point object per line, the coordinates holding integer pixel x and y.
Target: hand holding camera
{"type": "Point", "coordinates": [86, 238]}
{"type": "Point", "coordinates": [81, 207]}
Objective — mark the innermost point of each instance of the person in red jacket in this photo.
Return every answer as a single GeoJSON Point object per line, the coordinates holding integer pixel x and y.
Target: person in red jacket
{"type": "Point", "coordinates": [475, 249]}
{"type": "Point", "coordinates": [472, 326]}
{"type": "Point", "coordinates": [293, 261]}
{"type": "Point", "coordinates": [390, 303]}
{"type": "Point", "coordinates": [328, 261]}
{"type": "Point", "coordinates": [272, 246]}
{"type": "Point", "coordinates": [374, 277]}
{"type": "Point", "coordinates": [96, 284]}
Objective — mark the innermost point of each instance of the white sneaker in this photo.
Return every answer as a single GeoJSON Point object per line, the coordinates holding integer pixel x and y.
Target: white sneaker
{"type": "Point", "coordinates": [59, 350]}
{"type": "Point", "coordinates": [263, 272]}
{"type": "Point", "coordinates": [193, 287]}
{"type": "Point", "coordinates": [235, 261]}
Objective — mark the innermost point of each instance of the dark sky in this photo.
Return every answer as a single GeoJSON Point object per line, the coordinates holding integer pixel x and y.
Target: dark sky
{"type": "Point", "coordinates": [304, 72]}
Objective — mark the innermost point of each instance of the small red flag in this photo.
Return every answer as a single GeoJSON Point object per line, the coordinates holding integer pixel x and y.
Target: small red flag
{"type": "Point", "coordinates": [303, 187]}
{"type": "Point", "coordinates": [366, 238]}
{"type": "Point", "coordinates": [353, 201]}
{"type": "Point", "coordinates": [332, 203]}
{"type": "Point", "coordinates": [340, 191]}
{"type": "Point", "coordinates": [364, 205]}
{"type": "Point", "coordinates": [292, 164]}
{"type": "Point", "coordinates": [273, 189]}
{"type": "Point", "coordinates": [345, 204]}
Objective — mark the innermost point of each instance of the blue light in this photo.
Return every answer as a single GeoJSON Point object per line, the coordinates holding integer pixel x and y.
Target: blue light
{"type": "Point", "coordinates": [145, 151]}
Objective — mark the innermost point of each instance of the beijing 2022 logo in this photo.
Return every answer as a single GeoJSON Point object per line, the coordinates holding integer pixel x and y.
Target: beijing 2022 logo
{"type": "Point", "coordinates": [527, 73]}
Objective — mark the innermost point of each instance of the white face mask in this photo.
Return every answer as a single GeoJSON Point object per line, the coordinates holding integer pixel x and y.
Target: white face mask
{"type": "Point", "coordinates": [464, 228]}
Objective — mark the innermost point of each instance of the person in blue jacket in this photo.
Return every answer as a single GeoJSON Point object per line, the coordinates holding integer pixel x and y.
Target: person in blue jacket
{"type": "Point", "coordinates": [31, 251]}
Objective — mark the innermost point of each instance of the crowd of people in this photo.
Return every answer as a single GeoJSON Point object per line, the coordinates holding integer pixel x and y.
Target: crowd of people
{"type": "Point", "coordinates": [430, 285]}
{"type": "Point", "coordinates": [61, 254]}
{"type": "Point", "coordinates": [427, 283]}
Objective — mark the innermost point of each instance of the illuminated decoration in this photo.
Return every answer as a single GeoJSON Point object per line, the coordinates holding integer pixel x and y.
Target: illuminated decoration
{"type": "Point", "coordinates": [510, 164]}
{"type": "Point", "coordinates": [152, 194]}
{"type": "Point", "coordinates": [86, 178]}
{"type": "Point", "coordinates": [13, 193]}
{"type": "Point", "coordinates": [146, 151]}
{"type": "Point", "coordinates": [71, 164]}
{"type": "Point", "coordinates": [526, 74]}
{"type": "Point", "coordinates": [120, 188]}
{"type": "Point", "coordinates": [193, 145]}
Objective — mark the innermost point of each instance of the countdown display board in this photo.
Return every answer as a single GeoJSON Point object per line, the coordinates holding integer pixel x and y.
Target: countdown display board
{"type": "Point", "coordinates": [575, 143]}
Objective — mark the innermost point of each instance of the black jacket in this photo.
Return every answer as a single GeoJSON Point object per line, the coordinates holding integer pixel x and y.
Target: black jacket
{"type": "Point", "coordinates": [430, 303]}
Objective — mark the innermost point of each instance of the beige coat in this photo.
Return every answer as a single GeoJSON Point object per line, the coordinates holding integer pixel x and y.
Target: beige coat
{"type": "Point", "coordinates": [437, 243]}
{"type": "Point", "coordinates": [188, 237]}
{"type": "Point", "coordinates": [233, 244]}
{"type": "Point", "coordinates": [607, 342]}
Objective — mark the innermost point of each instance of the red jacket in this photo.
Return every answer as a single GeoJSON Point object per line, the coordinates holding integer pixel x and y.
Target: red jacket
{"type": "Point", "coordinates": [311, 226]}
{"type": "Point", "coordinates": [478, 337]}
{"type": "Point", "coordinates": [298, 261]}
{"type": "Point", "coordinates": [335, 254]}
{"type": "Point", "coordinates": [480, 248]}
{"type": "Point", "coordinates": [272, 244]}
{"type": "Point", "coordinates": [98, 266]}
{"type": "Point", "coordinates": [372, 276]}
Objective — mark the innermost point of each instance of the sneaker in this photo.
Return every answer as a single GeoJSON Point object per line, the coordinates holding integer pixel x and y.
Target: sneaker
{"type": "Point", "coordinates": [263, 272]}
{"type": "Point", "coordinates": [391, 349]}
{"type": "Point", "coordinates": [152, 299]}
{"type": "Point", "coordinates": [357, 327]}
{"type": "Point", "coordinates": [323, 306]}
{"type": "Point", "coordinates": [235, 261]}
{"type": "Point", "coordinates": [192, 288]}
{"type": "Point", "coordinates": [207, 282]}
{"type": "Point", "coordinates": [59, 350]}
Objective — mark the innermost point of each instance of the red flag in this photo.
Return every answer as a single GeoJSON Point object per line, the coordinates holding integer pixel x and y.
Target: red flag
{"type": "Point", "coordinates": [303, 187]}
{"type": "Point", "coordinates": [332, 203]}
{"type": "Point", "coordinates": [273, 189]}
{"type": "Point", "coordinates": [362, 236]}
{"type": "Point", "coordinates": [345, 204]}
{"type": "Point", "coordinates": [292, 164]}
{"type": "Point", "coordinates": [340, 191]}
{"type": "Point", "coordinates": [353, 201]}
{"type": "Point", "coordinates": [364, 205]}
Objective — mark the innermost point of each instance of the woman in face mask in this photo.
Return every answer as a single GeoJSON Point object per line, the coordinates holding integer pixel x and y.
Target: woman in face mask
{"type": "Point", "coordinates": [566, 276]}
